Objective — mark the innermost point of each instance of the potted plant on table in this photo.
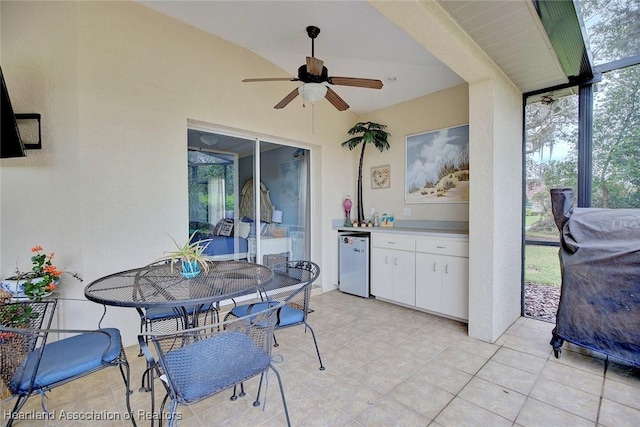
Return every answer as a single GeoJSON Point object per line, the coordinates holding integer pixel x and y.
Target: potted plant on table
{"type": "Point", "coordinates": [43, 278]}
{"type": "Point", "coordinates": [190, 255]}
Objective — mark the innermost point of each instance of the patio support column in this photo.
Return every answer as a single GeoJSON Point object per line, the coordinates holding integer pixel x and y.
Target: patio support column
{"type": "Point", "coordinates": [495, 153]}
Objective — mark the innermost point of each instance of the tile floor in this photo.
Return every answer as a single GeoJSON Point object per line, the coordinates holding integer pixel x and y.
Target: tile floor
{"type": "Point", "coordinates": [390, 366]}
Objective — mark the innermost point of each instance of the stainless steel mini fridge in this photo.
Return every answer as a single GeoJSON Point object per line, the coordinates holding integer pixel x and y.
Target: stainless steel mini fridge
{"type": "Point", "coordinates": [353, 265]}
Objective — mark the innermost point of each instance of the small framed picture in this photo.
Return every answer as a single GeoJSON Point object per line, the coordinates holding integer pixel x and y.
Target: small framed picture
{"type": "Point", "coordinates": [380, 177]}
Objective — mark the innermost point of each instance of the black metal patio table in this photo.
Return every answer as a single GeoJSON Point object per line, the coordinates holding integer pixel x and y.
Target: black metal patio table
{"type": "Point", "coordinates": [158, 286]}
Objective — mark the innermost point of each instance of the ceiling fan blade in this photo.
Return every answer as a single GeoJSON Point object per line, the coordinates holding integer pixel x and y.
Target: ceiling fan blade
{"type": "Point", "coordinates": [272, 79]}
{"type": "Point", "coordinates": [335, 100]}
{"type": "Point", "coordinates": [314, 65]}
{"type": "Point", "coordinates": [287, 99]}
{"type": "Point", "coordinates": [355, 81]}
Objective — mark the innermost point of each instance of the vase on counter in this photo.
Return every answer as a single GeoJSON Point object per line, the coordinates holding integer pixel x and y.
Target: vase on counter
{"type": "Point", "coordinates": [347, 204]}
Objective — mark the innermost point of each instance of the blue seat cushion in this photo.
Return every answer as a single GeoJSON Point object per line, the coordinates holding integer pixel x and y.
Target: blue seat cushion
{"type": "Point", "coordinates": [286, 316]}
{"type": "Point", "coordinates": [68, 358]}
{"type": "Point", "coordinates": [210, 365]}
{"type": "Point", "coordinates": [158, 313]}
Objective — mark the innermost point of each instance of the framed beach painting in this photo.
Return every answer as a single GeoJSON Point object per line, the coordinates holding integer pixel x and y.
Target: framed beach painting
{"type": "Point", "coordinates": [437, 166]}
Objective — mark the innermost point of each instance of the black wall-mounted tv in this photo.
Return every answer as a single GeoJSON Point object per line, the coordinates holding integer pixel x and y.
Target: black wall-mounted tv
{"type": "Point", "coordinates": [11, 143]}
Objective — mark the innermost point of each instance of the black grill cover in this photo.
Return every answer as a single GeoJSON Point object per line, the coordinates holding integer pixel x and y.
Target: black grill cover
{"type": "Point", "coordinates": [600, 262]}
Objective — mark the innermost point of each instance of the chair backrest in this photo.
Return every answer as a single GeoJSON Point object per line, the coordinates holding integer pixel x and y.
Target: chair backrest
{"type": "Point", "coordinates": [18, 345]}
{"type": "Point", "coordinates": [28, 314]}
{"type": "Point", "coordinates": [287, 276]}
{"type": "Point", "coordinates": [203, 361]}
{"type": "Point", "coordinates": [23, 330]}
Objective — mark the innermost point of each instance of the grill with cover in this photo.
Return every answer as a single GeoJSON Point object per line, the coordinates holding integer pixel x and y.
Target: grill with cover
{"type": "Point", "coordinates": [599, 305]}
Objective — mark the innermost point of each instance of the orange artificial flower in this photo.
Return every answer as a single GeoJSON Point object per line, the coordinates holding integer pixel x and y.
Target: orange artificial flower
{"type": "Point", "coordinates": [43, 276]}
{"type": "Point", "coordinates": [52, 270]}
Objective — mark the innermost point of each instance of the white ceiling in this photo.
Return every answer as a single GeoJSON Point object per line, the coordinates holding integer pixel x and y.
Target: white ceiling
{"type": "Point", "coordinates": [357, 41]}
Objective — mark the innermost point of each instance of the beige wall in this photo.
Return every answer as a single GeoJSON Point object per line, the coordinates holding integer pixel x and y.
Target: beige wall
{"type": "Point", "coordinates": [436, 111]}
{"type": "Point", "coordinates": [495, 136]}
{"type": "Point", "coordinates": [116, 84]}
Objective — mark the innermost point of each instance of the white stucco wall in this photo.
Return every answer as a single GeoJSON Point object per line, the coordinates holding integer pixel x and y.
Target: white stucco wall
{"type": "Point", "coordinates": [495, 214]}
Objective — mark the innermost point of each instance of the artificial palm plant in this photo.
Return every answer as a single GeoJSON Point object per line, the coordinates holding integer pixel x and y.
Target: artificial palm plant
{"type": "Point", "coordinates": [366, 133]}
{"type": "Point", "coordinates": [190, 253]}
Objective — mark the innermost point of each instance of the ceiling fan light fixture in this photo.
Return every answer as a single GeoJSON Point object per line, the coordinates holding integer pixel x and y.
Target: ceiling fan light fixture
{"type": "Point", "coordinates": [312, 92]}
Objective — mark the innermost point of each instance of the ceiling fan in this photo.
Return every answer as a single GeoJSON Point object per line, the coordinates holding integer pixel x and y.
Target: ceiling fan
{"type": "Point", "coordinates": [313, 74]}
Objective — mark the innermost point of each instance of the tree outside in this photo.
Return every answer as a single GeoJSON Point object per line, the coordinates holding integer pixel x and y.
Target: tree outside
{"type": "Point", "coordinates": [551, 152]}
{"type": "Point", "coordinates": [199, 196]}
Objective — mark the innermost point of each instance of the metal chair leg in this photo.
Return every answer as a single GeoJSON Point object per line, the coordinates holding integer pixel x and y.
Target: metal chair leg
{"type": "Point", "coordinates": [235, 395]}
{"type": "Point", "coordinates": [125, 371]}
{"type": "Point", "coordinates": [145, 386]}
{"type": "Point", "coordinates": [316, 344]}
{"type": "Point", "coordinates": [20, 401]}
{"type": "Point", "coordinates": [257, 401]}
{"type": "Point", "coordinates": [284, 401]}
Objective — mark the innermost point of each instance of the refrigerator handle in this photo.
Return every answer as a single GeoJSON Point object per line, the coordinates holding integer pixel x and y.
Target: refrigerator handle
{"type": "Point", "coordinates": [434, 266]}
{"type": "Point", "coordinates": [386, 259]}
{"type": "Point", "coordinates": [395, 261]}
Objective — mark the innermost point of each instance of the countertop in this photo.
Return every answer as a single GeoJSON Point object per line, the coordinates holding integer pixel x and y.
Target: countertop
{"type": "Point", "coordinates": [455, 234]}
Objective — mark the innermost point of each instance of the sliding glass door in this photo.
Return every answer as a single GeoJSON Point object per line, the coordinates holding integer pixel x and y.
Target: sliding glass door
{"type": "Point", "coordinates": [285, 172]}
{"type": "Point", "coordinates": [264, 220]}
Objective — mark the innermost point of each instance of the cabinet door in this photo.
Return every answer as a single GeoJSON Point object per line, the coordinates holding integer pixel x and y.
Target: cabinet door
{"type": "Point", "coordinates": [429, 282]}
{"type": "Point", "coordinates": [404, 277]}
{"type": "Point", "coordinates": [381, 273]}
{"type": "Point", "coordinates": [455, 287]}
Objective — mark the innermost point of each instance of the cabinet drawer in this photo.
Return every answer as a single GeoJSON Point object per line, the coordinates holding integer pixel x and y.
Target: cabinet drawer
{"type": "Point", "coordinates": [394, 242]}
{"type": "Point", "coordinates": [443, 247]}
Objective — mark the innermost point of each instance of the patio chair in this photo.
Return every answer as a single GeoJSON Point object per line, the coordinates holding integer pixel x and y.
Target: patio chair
{"type": "Point", "coordinates": [32, 365]}
{"type": "Point", "coordinates": [197, 363]}
{"type": "Point", "coordinates": [170, 319]}
{"type": "Point", "coordinates": [295, 313]}
{"type": "Point", "coordinates": [167, 320]}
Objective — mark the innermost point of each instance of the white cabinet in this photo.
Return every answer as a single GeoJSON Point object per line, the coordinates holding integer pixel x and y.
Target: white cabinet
{"type": "Point", "coordinates": [428, 272]}
{"type": "Point", "coordinates": [393, 268]}
{"type": "Point", "coordinates": [455, 287]}
{"type": "Point", "coordinates": [429, 277]}
{"type": "Point", "coordinates": [442, 276]}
